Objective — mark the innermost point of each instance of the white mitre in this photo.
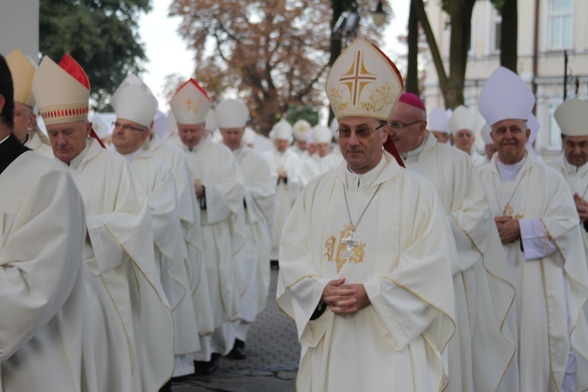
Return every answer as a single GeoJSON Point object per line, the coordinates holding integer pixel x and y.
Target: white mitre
{"type": "Point", "coordinates": [505, 96]}
{"type": "Point", "coordinates": [210, 123]}
{"type": "Point", "coordinates": [321, 134]}
{"type": "Point", "coordinates": [300, 129]}
{"type": "Point", "coordinates": [572, 117]}
{"type": "Point", "coordinates": [62, 91]}
{"type": "Point", "coordinates": [282, 130]}
{"type": "Point", "coordinates": [190, 103]}
{"type": "Point", "coordinates": [23, 70]}
{"type": "Point", "coordinates": [161, 124]}
{"type": "Point", "coordinates": [438, 121]}
{"type": "Point", "coordinates": [485, 132]}
{"type": "Point", "coordinates": [363, 82]}
{"type": "Point", "coordinates": [134, 101]}
{"type": "Point", "coordinates": [248, 136]}
{"type": "Point", "coordinates": [231, 113]}
{"type": "Point", "coordinates": [533, 125]}
{"type": "Point", "coordinates": [461, 118]}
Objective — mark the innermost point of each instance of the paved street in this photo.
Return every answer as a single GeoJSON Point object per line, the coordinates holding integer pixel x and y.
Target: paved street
{"type": "Point", "coordinates": [272, 357]}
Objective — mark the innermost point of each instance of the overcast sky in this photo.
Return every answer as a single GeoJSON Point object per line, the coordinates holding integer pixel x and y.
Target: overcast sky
{"type": "Point", "coordinates": [168, 53]}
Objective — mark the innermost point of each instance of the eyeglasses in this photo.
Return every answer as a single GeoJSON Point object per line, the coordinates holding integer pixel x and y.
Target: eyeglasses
{"type": "Point", "coordinates": [363, 132]}
{"type": "Point", "coordinates": [127, 127]}
{"type": "Point", "coordinates": [398, 125]}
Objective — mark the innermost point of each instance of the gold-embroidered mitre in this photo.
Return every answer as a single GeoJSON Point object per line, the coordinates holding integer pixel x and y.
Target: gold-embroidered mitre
{"type": "Point", "coordinates": [23, 70]}
{"type": "Point", "coordinates": [363, 82]}
{"type": "Point", "coordinates": [190, 103]}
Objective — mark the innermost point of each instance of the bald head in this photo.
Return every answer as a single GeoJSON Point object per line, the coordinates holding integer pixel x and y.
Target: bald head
{"type": "Point", "coordinates": [408, 125]}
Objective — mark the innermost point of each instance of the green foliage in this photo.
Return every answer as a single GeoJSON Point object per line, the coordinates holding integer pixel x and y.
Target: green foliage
{"type": "Point", "coordinates": [101, 35]}
{"type": "Point", "coordinates": [307, 113]}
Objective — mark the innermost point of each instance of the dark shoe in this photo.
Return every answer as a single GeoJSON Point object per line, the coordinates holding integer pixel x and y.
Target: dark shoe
{"type": "Point", "coordinates": [206, 368]}
{"type": "Point", "coordinates": [166, 387]}
{"type": "Point", "coordinates": [238, 351]}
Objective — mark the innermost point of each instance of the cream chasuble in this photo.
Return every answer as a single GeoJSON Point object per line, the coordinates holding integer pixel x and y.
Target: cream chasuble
{"type": "Point", "coordinates": [42, 302]}
{"type": "Point", "coordinates": [223, 232]}
{"type": "Point", "coordinates": [122, 281]}
{"type": "Point", "coordinates": [484, 346]}
{"type": "Point", "coordinates": [286, 191]}
{"type": "Point", "coordinates": [189, 214]}
{"type": "Point", "coordinates": [260, 197]}
{"type": "Point", "coordinates": [577, 179]}
{"type": "Point", "coordinates": [400, 254]}
{"type": "Point", "coordinates": [157, 182]}
{"type": "Point", "coordinates": [544, 331]}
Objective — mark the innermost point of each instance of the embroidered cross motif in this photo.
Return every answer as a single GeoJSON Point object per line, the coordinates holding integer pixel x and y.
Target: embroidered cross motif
{"type": "Point", "coordinates": [191, 106]}
{"type": "Point", "coordinates": [350, 242]}
{"type": "Point", "coordinates": [349, 249]}
{"type": "Point", "coordinates": [357, 77]}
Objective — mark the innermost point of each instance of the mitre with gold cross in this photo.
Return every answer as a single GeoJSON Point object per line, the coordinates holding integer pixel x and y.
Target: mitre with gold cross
{"type": "Point", "coordinates": [363, 82]}
{"type": "Point", "coordinates": [190, 103]}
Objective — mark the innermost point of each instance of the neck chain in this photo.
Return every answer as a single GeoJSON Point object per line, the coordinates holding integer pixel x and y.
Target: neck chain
{"type": "Point", "coordinates": [508, 208]}
{"type": "Point", "coordinates": [352, 241]}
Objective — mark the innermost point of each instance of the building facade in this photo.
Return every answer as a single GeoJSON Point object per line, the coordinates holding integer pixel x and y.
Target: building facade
{"type": "Point", "coordinates": [547, 30]}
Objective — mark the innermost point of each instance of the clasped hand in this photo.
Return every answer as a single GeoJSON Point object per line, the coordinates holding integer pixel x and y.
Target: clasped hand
{"type": "Point", "coordinates": [344, 299]}
{"type": "Point", "coordinates": [581, 207]}
{"type": "Point", "coordinates": [509, 229]}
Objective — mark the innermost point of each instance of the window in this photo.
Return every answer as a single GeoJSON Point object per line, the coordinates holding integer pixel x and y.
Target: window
{"type": "Point", "coordinates": [560, 24]}
{"type": "Point", "coordinates": [496, 33]}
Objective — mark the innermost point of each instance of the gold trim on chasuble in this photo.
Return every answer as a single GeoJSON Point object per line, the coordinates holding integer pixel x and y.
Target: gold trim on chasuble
{"type": "Point", "coordinates": [349, 248]}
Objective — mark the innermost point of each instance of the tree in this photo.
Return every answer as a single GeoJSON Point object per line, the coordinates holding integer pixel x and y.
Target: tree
{"type": "Point", "coordinates": [273, 54]}
{"type": "Point", "coordinates": [460, 20]}
{"type": "Point", "coordinates": [508, 28]}
{"type": "Point", "coordinates": [100, 34]}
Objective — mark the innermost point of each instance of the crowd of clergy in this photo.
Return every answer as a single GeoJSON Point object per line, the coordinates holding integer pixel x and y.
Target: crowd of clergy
{"type": "Point", "coordinates": [129, 262]}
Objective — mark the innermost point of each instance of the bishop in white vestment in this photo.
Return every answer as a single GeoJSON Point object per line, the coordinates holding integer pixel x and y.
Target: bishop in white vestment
{"type": "Point", "coordinates": [364, 259]}
{"type": "Point", "coordinates": [285, 166]}
{"type": "Point", "coordinates": [42, 225]}
{"type": "Point", "coordinates": [259, 203]}
{"type": "Point", "coordinates": [135, 107]}
{"type": "Point", "coordinates": [538, 226]}
{"type": "Point", "coordinates": [481, 352]}
{"type": "Point", "coordinates": [124, 293]}
{"type": "Point", "coordinates": [218, 184]}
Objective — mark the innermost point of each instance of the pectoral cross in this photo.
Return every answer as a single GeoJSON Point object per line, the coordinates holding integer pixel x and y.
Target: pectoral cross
{"type": "Point", "coordinates": [350, 242]}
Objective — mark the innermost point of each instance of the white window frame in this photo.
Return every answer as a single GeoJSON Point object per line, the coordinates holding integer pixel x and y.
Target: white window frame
{"type": "Point", "coordinates": [566, 26]}
{"type": "Point", "coordinates": [553, 130]}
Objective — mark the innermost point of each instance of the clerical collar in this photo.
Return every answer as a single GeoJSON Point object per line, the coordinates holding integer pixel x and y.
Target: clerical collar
{"type": "Point", "coordinates": [131, 156]}
{"type": "Point", "coordinates": [10, 149]}
{"type": "Point", "coordinates": [26, 140]}
{"type": "Point", "coordinates": [74, 163]}
{"type": "Point", "coordinates": [509, 172]}
{"type": "Point", "coordinates": [574, 170]}
{"type": "Point", "coordinates": [413, 156]}
{"type": "Point", "coordinates": [3, 140]}
{"type": "Point", "coordinates": [363, 182]}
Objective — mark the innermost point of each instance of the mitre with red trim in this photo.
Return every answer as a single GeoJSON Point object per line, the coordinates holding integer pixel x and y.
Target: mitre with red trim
{"type": "Point", "coordinates": [363, 82]}
{"type": "Point", "coordinates": [62, 91]}
{"type": "Point", "coordinates": [190, 103]}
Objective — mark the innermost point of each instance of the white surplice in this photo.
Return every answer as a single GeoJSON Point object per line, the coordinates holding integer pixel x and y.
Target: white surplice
{"type": "Point", "coordinates": [189, 214]}
{"type": "Point", "coordinates": [484, 346]}
{"type": "Point", "coordinates": [316, 165]}
{"type": "Point", "coordinates": [286, 191]}
{"type": "Point", "coordinates": [260, 197]}
{"type": "Point", "coordinates": [157, 182]}
{"type": "Point", "coordinates": [549, 272]}
{"type": "Point", "coordinates": [122, 282]}
{"type": "Point", "coordinates": [223, 232]}
{"type": "Point", "coordinates": [42, 225]}
{"type": "Point", "coordinates": [396, 343]}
